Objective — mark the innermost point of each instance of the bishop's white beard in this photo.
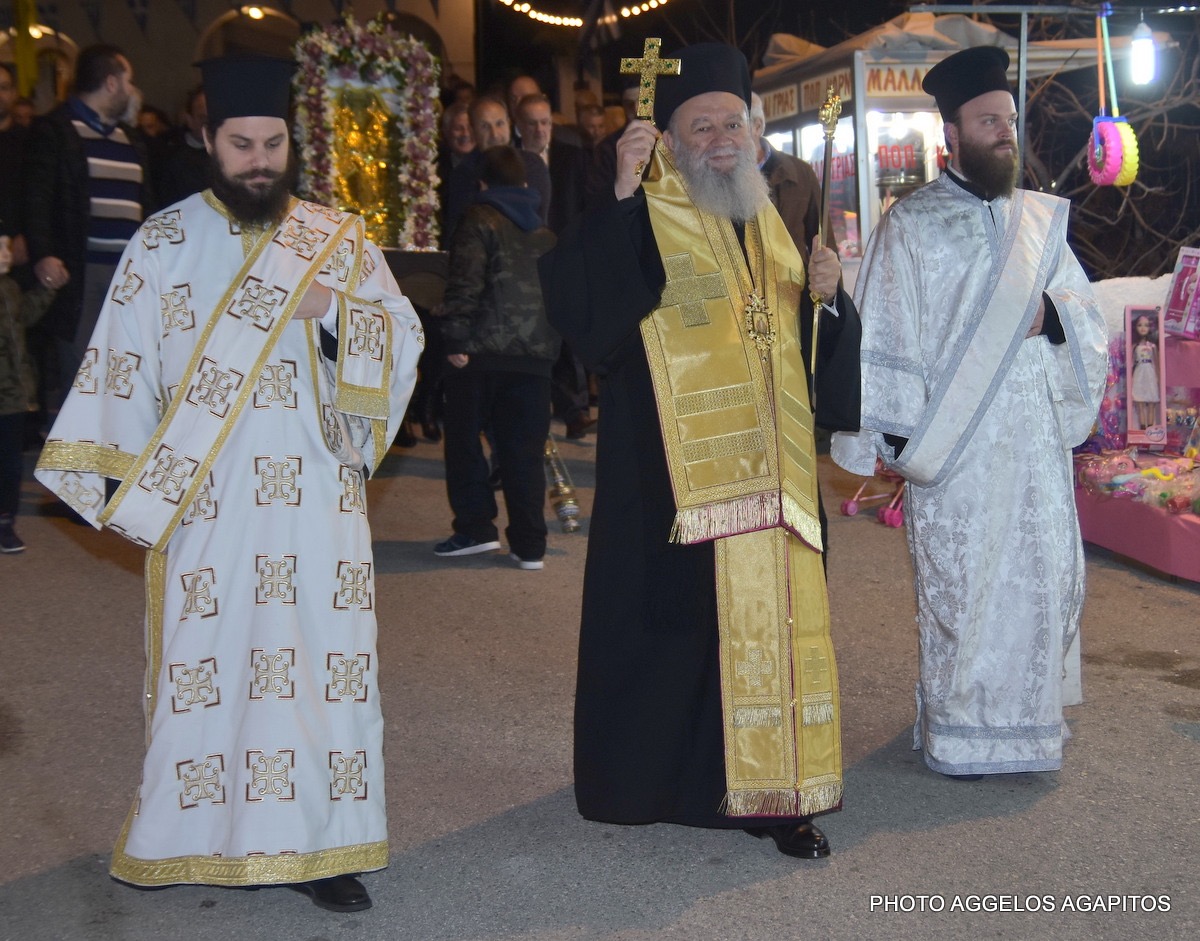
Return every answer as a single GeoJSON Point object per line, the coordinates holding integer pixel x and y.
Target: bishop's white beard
{"type": "Point", "coordinates": [737, 194]}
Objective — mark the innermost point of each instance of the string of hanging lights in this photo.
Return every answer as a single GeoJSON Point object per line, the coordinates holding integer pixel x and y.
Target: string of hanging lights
{"type": "Point", "coordinates": [636, 9]}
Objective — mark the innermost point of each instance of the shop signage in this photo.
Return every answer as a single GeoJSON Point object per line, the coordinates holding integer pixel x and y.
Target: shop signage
{"type": "Point", "coordinates": [895, 81]}
{"type": "Point", "coordinates": [779, 103]}
{"type": "Point", "coordinates": [814, 90]}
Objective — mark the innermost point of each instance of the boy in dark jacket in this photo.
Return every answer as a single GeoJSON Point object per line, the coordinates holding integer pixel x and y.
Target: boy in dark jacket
{"type": "Point", "coordinates": [501, 350]}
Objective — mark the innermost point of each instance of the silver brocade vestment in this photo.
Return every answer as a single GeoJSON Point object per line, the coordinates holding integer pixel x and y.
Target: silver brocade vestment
{"type": "Point", "coordinates": [994, 535]}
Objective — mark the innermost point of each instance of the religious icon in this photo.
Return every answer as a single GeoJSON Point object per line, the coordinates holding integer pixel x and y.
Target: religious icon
{"type": "Point", "coordinates": [1145, 381]}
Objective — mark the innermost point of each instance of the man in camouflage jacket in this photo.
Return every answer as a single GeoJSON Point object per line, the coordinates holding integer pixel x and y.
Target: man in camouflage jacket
{"type": "Point", "coordinates": [501, 350]}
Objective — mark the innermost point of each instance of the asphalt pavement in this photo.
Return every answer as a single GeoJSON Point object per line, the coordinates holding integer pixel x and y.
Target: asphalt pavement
{"type": "Point", "coordinates": [478, 663]}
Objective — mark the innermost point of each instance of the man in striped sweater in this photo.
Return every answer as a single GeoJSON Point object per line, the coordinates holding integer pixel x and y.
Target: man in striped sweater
{"type": "Point", "coordinates": [86, 192]}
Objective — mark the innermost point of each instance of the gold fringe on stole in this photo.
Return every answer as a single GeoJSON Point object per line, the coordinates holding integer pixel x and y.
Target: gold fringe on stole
{"type": "Point", "coordinates": [750, 717]}
{"type": "Point", "coordinates": [711, 520]}
{"type": "Point", "coordinates": [801, 522]}
{"type": "Point", "coordinates": [818, 713]}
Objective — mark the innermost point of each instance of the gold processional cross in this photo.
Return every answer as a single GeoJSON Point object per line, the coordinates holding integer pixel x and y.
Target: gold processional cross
{"type": "Point", "coordinates": [649, 67]}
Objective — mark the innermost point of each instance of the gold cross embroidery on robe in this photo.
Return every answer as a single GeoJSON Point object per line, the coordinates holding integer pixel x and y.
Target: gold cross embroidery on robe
{"type": "Point", "coordinates": [688, 290]}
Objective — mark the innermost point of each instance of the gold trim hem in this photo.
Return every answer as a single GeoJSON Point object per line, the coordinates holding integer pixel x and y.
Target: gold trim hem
{"type": "Point", "coordinates": [782, 802]}
{"type": "Point", "coordinates": [283, 869]}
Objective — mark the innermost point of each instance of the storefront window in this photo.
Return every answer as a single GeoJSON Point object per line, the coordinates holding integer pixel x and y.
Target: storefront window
{"type": "Point", "coordinates": [905, 151]}
{"type": "Point", "coordinates": [843, 191]}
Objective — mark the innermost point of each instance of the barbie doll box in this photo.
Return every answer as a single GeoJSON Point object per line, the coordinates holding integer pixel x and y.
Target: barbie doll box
{"type": "Point", "coordinates": [1182, 314]}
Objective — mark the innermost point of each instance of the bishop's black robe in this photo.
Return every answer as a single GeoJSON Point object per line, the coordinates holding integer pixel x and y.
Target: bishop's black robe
{"type": "Point", "coordinates": [648, 732]}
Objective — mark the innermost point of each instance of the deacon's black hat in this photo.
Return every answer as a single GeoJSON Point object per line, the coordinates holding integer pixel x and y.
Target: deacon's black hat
{"type": "Point", "coordinates": [965, 75]}
{"type": "Point", "coordinates": [704, 67]}
{"type": "Point", "coordinates": [246, 87]}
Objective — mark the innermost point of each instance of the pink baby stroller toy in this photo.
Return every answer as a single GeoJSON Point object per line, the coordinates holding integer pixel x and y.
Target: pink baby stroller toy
{"type": "Point", "coordinates": [892, 513]}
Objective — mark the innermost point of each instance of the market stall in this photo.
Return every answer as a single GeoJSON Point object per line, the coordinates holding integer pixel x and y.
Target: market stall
{"type": "Point", "coordinates": [889, 138]}
{"type": "Point", "coordinates": [1142, 502]}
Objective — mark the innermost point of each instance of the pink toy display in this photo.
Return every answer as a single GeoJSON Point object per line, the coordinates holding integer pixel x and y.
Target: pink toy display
{"type": "Point", "coordinates": [891, 514]}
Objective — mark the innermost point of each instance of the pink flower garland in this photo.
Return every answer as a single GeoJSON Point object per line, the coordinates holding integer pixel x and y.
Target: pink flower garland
{"type": "Point", "coordinates": [371, 54]}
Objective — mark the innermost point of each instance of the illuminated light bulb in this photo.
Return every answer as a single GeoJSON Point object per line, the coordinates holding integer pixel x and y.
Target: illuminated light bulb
{"type": "Point", "coordinates": [1142, 64]}
{"type": "Point", "coordinates": [255, 13]}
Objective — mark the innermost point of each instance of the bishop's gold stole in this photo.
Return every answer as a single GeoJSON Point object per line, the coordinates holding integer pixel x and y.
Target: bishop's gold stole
{"type": "Point", "coordinates": [732, 395]}
{"type": "Point", "coordinates": [237, 339]}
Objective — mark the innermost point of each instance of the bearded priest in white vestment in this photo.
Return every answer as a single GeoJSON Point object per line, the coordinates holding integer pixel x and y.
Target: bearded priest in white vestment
{"type": "Point", "coordinates": [983, 364]}
{"type": "Point", "coordinates": [250, 366]}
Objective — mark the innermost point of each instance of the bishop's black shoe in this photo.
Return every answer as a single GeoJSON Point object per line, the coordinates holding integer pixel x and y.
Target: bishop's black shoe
{"type": "Point", "coordinates": [803, 840]}
{"type": "Point", "coordinates": [336, 894]}
{"type": "Point", "coordinates": [963, 777]}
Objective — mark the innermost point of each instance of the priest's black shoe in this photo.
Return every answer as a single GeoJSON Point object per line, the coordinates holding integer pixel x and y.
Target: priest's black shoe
{"type": "Point", "coordinates": [803, 840]}
{"type": "Point", "coordinates": [336, 894]}
{"type": "Point", "coordinates": [963, 777]}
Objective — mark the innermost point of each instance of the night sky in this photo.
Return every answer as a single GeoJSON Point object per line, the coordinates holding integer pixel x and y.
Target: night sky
{"type": "Point", "coordinates": [510, 42]}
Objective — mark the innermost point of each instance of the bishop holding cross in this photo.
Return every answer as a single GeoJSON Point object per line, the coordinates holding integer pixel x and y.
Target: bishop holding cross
{"type": "Point", "coordinates": [686, 294]}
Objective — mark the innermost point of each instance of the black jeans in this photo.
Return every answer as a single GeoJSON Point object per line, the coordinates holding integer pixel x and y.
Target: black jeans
{"type": "Point", "coordinates": [12, 441]}
{"type": "Point", "coordinates": [516, 408]}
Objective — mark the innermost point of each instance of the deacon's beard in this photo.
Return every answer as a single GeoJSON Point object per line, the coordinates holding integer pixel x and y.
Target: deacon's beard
{"type": "Point", "coordinates": [993, 172]}
{"type": "Point", "coordinates": [736, 194]}
{"type": "Point", "coordinates": [255, 205]}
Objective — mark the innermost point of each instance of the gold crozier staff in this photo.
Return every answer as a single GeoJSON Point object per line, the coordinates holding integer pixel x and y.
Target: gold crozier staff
{"type": "Point", "coordinates": [830, 111]}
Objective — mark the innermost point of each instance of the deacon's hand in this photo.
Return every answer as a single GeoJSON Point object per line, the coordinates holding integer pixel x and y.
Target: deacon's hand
{"type": "Point", "coordinates": [633, 153]}
{"type": "Point", "coordinates": [1038, 319]}
{"type": "Point", "coordinates": [458, 360]}
{"type": "Point", "coordinates": [824, 270]}
{"type": "Point", "coordinates": [315, 302]}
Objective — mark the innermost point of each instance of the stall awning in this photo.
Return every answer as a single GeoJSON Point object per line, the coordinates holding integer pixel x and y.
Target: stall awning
{"type": "Point", "coordinates": [913, 36]}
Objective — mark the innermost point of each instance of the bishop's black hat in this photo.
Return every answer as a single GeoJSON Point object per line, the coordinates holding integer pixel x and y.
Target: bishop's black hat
{"type": "Point", "coordinates": [965, 75]}
{"type": "Point", "coordinates": [246, 86]}
{"type": "Point", "coordinates": [704, 67]}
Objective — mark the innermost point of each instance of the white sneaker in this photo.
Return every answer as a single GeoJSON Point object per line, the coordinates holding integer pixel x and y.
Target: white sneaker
{"type": "Point", "coordinates": [530, 565]}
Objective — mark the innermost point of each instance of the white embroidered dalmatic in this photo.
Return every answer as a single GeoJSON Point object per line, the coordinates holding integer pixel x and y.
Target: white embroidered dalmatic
{"type": "Point", "coordinates": [947, 293]}
{"type": "Point", "coordinates": [264, 731]}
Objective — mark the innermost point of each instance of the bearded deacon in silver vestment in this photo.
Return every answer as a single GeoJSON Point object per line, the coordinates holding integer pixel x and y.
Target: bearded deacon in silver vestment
{"type": "Point", "coordinates": [983, 364]}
